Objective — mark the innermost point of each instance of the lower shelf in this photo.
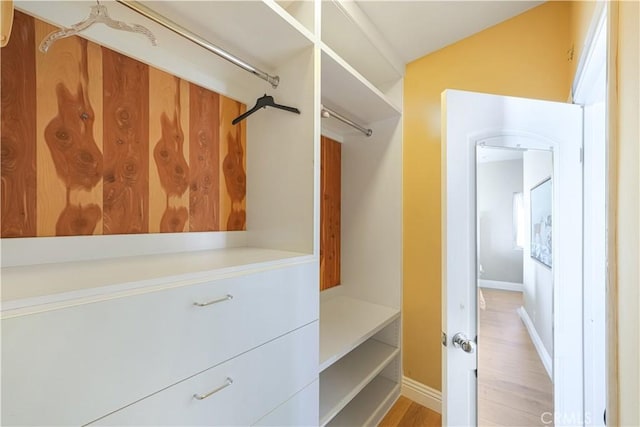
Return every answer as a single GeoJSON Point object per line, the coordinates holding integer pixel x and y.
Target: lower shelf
{"type": "Point", "coordinates": [343, 380]}
{"type": "Point", "coordinates": [369, 405]}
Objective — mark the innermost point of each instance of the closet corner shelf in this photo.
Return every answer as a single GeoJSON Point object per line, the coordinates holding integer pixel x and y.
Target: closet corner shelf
{"type": "Point", "coordinates": [365, 409]}
{"type": "Point", "coordinates": [349, 31]}
{"type": "Point", "coordinates": [346, 322]}
{"type": "Point", "coordinates": [346, 90]}
{"type": "Point", "coordinates": [275, 35]}
{"type": "Point", "coordinates": [341, 382]}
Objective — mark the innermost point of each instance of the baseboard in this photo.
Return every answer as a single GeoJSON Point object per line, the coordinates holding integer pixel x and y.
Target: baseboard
{"type": "Point", "coordinates": [545, 358]}
{"type": "Point", "coordinates": [422, 394]}
{"type": "Point", "coordinates": [505, 286]}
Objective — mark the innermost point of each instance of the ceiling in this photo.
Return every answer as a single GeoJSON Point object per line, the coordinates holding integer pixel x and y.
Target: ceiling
{"type": "Point", "coordinates": [415, 28]}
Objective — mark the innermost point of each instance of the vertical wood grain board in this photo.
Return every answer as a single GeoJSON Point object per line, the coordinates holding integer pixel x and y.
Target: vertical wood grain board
{"type": "Point", "coordinates": [204, 158]}
{"type": "Point", "coordinates": [232, 152]}
{"type": "Point", "coordinates": [126, 144]}
{"type": "Point", "coordinates": [69, 176]}
{"type": "Point", "coordinates": [95, 142]}
{"type": "Point", "coordinates": [330, 191]}
{"type": "Point", "coordinates": [18, 142]}
{"type": "Point", "coordinates": [169, 175]}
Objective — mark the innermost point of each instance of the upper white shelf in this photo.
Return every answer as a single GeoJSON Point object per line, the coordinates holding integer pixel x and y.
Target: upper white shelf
{"type": "Point", "coordinates": [260, 33]}
{"type": "Point", "coordinates": [31, 285]}
{"type": "Point", "coordinates": [348, 93]}
{"type": "Point", "coordinates": [301, 11]}
{"type": "Point", "coordinates": [348, 31]}
{"type": "Point", "coordinates": [345, 323]}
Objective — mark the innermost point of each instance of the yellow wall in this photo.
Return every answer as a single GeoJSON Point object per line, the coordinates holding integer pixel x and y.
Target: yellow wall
{"type": "Point", "coordinates": [581, 15]}
{"type": "Point", "coordinates": [525, 56]}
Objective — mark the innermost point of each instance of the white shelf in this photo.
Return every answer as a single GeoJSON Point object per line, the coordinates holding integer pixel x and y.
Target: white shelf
{"type": "Point", "coordinates": [302, 11]}
{"type": "Point", "coordinates": [365, 408]}
{"type": "Point", "coordinates": [256, 31]}
{"type": "Point", "coordinates": [348, 93]}
{"type": "Point", "coordinates": [345, 323]}
{"type": "Point", "coordinates": [343, 380]}
{"type": "Point", "coordinates": [348, 31]}
{"type": "Point", "coordinates": [32, 285]}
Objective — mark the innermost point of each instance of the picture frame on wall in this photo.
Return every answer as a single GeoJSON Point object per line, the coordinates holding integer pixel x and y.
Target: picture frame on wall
{"type": "Point", "coordinates": [541, 205]}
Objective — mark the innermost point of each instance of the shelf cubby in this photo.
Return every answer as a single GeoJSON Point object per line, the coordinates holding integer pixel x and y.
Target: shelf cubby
{"type": "Point", "coordinates": [347, 30]}
{"type": "Point", "coordinates": [359, 343]}
{"type": "Point", "coordinates": [343, 380]}
{"type": "Point", "coordinates": [368, 407]}
{"type": "Point", "coordinates": [347, 92]}
{"type": "Point", "coordinates": [346, 322]}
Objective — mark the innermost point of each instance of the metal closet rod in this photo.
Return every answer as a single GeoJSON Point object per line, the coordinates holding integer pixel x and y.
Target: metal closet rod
{"type": "Point", "coordinates": [181, 31]}
{"type": "Point", "coordinates": [326, 112]}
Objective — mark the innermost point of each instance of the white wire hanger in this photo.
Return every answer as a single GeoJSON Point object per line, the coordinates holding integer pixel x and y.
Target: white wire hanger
{"type": "Point", "coordinates": [98, 15]}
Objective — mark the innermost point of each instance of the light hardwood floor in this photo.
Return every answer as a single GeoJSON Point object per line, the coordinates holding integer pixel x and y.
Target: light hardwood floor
{"type": "Point", "coordinates": [407, 413]}
{"type": "Point", "coordinates": [513, 386]}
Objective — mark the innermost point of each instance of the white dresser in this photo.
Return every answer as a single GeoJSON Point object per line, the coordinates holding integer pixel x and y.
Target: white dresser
{"type": "Point", "coordinates": [226, 337]}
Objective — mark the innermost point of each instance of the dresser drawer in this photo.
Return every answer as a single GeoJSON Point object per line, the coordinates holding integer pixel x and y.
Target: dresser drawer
{"type": "Point", "coordinates": [241, 390]}
{"type": "Point", "coordinates": [74, 365]}
{"type": "Point", "coordinates": [301, 410]}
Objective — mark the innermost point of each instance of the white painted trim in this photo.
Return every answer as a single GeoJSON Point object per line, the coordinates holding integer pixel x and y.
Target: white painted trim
{"type": "Point", "coordinates": [422, 394]}
{"type": "Point", "coordinates": [504, 286]}
{"type": "Point", "coordinates": [590, 91]}
{"type": "Point", "coordinates": [585, 76]}
{"type": "Point", "coordinates": [545, 358]}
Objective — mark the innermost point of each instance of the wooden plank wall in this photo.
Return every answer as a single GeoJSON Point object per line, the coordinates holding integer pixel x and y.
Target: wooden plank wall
{"type": "Point", "coordinates": [95, 142]}
{"type": "Point", "coordinates": [69, 138]}
{"type": "Point", "coordinates": [126, 144]}
{"type": "Point", "coordinates": [204, 158]}
{"type": "Point", "coordinates": [18, 155]}
{"type": "Point", "coordinates": [232, 201]}
{"type": "Point", "coordinates": [330, 190]}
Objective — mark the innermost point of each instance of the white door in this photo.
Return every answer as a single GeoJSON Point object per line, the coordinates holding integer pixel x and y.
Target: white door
{"type": "Point", "coordinates": [472, 119]}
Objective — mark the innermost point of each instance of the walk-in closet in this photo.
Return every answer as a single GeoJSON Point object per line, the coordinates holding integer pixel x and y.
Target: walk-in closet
{"type": "Point", "coordinates": [179, 176]}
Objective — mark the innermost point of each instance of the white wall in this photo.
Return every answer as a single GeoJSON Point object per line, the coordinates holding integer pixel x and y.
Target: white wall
{"type": "Point", "coordinates": [371, 263]}
{"type": "Point", "coordinates": [497, 182]}
{"type": "Point", "coordinates": [538, 278]}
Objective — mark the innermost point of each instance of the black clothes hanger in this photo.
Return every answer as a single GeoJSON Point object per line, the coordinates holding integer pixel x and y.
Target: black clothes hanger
{"type": "Point", "coordinates": [264, 102]}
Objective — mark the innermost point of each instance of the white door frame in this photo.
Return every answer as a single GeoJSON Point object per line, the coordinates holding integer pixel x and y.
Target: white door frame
{"type": "Point", "coordinates": [459, 239]}
{"type": "Point", "coordinates": [589, 90]}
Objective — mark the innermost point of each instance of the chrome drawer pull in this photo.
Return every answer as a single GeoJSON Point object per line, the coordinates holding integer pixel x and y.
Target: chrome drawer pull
{"type": "Point", "coordinates": [214, 301]}
{"type": "Point", "coordinates": [226, 384]}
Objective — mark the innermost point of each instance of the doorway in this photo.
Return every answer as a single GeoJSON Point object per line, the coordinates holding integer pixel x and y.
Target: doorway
{"type": "Point", "coordinates": [515, 286]}
{"type": "Point", "coordinates": [579, 239]}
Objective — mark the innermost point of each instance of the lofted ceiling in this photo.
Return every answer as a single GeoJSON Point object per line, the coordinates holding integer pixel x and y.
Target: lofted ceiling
{"type": "Point", "coordinates": [415, 28]}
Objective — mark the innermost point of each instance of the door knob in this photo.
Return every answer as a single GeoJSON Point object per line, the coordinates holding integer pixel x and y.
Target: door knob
{"type": "Point", "coordinates": [460, 340]}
